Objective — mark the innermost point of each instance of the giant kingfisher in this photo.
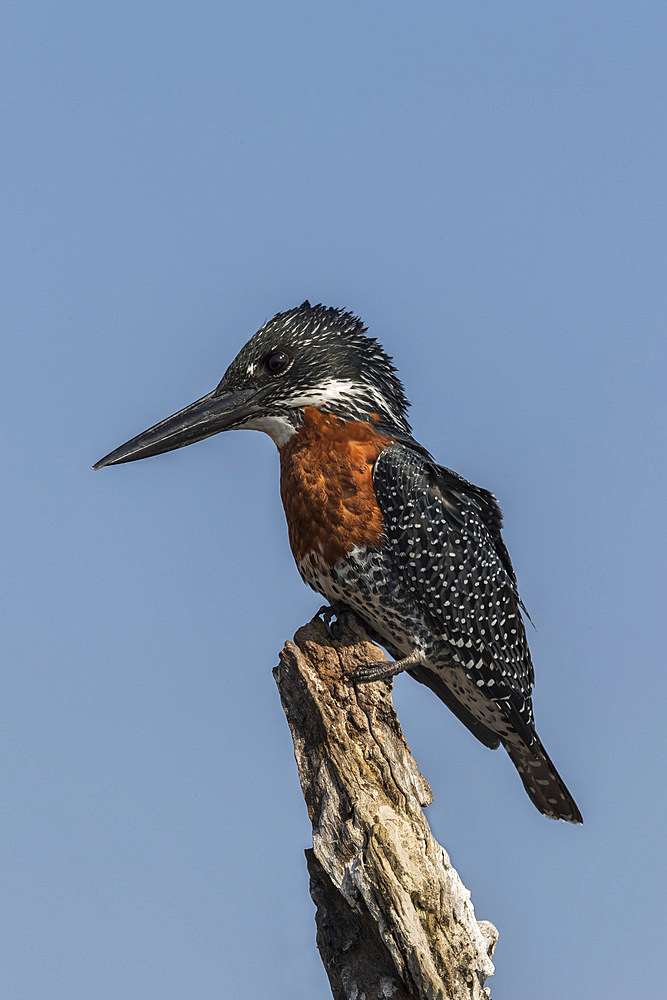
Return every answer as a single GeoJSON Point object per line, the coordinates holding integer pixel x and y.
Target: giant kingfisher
{"type": "Point", "coordinates": [376, 526]}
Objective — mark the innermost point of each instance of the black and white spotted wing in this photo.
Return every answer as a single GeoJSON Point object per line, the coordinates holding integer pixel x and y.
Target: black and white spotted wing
{"type": "Point", "coordinates": [443, 538]}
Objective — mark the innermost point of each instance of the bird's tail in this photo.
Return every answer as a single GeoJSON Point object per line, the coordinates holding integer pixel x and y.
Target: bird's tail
{"type": "Point", "coordinates": [544, 785]}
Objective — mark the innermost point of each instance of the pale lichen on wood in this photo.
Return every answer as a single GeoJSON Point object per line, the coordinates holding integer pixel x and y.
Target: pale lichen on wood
{"type": "Point", "coordinates": [393, 917]}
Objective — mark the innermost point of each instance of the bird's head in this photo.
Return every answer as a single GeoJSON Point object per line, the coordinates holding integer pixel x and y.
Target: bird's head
{"type": "Point", "coordinates": [308, 356]}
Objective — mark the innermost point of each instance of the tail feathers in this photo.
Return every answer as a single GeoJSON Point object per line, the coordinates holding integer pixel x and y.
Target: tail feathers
{"type": "Point", "coordinates": [544, 785]}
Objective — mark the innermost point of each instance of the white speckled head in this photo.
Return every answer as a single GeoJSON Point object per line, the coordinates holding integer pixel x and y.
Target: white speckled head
{"type": "Point", "coordinates": [317, 356]}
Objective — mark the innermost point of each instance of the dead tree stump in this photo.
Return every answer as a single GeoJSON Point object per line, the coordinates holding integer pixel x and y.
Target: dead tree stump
{"type": "Point", "coordinates": [393, 917]}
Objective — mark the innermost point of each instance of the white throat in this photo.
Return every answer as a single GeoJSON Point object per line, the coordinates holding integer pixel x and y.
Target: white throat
{"type": "Point", "coordinates": [278, 427]}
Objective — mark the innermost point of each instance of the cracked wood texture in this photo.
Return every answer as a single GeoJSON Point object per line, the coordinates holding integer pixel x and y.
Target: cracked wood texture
{"type": "Point", "coordinates": [393, 917]}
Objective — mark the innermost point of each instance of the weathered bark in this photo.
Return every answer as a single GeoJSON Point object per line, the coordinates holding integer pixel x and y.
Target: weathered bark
{"type": "Point", "coordinates": [393, 917]}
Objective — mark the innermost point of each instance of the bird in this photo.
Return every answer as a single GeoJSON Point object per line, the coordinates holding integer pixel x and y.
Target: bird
{"type": "Point", "coordinates": [377, 527]}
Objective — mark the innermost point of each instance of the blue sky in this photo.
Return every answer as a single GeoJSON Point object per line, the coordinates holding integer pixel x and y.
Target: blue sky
{"type": "Point", "coordinates": [485, 186]}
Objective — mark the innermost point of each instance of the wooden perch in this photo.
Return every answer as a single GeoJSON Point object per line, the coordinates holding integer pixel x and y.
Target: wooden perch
{"type": "Point", "coordinates": [393, 917]}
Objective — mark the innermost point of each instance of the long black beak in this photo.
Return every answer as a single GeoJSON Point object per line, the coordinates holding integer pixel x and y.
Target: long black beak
{"type": "Point", "coordinates": [201, 419]}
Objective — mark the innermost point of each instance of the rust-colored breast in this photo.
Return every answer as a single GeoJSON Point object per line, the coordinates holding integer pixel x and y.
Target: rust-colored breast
{"type": "Point", "coordinates": [327, 488]}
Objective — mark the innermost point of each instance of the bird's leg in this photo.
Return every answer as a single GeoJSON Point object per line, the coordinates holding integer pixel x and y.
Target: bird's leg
{"type": "Point", "coordinates": [383, 671]}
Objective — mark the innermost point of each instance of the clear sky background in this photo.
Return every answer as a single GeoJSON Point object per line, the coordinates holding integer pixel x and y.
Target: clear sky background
{"type": "Point", "coordinates": [484, 184]}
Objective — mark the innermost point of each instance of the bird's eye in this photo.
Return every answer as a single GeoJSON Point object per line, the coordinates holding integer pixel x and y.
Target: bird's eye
{"type": "Point", "coordinates": [277, 362]}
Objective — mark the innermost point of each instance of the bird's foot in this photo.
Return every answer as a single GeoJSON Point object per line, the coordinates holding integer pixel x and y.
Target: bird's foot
{"type": "Point", "coordinates": [326, 613]}
{"type": "Point", "coordinates": [382, 670]}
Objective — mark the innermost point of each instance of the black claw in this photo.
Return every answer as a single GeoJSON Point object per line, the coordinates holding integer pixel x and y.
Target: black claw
{"type": "Point", "coordinates": [326, 613]}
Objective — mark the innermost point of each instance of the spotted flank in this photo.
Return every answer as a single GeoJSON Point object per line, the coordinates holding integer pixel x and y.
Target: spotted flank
{"type": "Point", "coordinates": [437, 541]}
{"type": "Point", "coordinates": [442, 539]}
